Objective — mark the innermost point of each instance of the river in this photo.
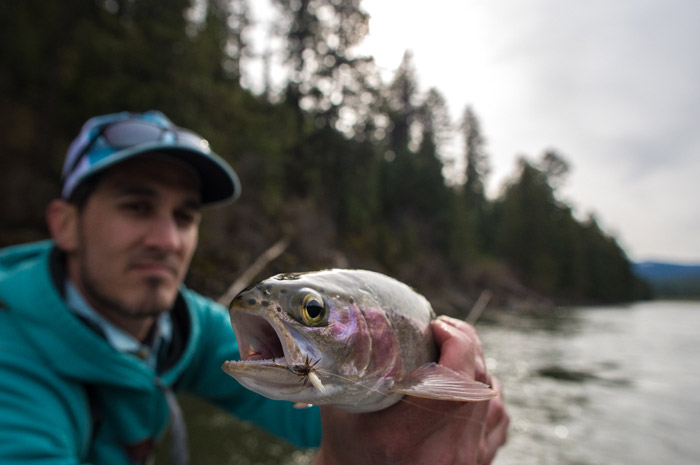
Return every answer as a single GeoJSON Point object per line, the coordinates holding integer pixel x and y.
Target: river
{"type": "Point", "coordinates": [601, 386]}
{"type": "Point", "coordinates": [583, 386]}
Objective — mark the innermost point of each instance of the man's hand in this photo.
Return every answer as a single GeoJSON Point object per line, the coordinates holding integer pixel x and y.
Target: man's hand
{"type": "Point", "coordinates": [424, 431]}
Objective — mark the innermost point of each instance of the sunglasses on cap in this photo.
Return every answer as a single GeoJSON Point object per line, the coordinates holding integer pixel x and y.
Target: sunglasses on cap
{"type": "Point", "coordinates": [129, 133]}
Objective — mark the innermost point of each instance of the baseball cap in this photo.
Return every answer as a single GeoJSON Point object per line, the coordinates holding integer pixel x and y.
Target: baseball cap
{"type": "Point", "coordinates": [107, 140]}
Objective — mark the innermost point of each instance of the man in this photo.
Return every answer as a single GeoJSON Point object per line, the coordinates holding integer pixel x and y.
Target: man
{"type": "Point", "coordinates": [97, 330]}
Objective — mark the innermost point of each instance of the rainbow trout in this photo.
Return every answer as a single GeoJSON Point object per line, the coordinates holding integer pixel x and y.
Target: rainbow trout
{"type": "Point", "coordinates": [354, 339]}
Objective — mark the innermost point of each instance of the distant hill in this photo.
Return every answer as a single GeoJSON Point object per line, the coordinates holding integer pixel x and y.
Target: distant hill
{"type": "Point", "coordinates": [670, 279]}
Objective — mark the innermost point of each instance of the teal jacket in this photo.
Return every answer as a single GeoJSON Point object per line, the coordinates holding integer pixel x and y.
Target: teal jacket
{"type": "Point", "coordinates": [56, 373]}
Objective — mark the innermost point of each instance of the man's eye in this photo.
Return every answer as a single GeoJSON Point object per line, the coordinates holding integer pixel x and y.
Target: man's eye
{"type": "Point", "coordinates": [136, 207]}
{"type": "Point", "coordinates": [186, 218]}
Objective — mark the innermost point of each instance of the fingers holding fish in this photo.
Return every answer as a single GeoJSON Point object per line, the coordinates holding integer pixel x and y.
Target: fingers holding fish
{"type": "Point", "coordinates": [497, 422]}
{"type": "Point", "coordinates": [460, 347]}
{"type": "Point", "coordinates": [484, 426]}
{"type": "Point", "coordinates": [497, 412]}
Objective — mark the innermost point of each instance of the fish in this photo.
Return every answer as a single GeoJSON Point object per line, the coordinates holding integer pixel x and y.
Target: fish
{"type": "Point", "coordinates": [354, 339]}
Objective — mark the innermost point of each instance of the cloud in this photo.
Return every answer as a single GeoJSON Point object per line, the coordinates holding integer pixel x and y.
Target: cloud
{"type": "Point", "coordinates": [614, 85]}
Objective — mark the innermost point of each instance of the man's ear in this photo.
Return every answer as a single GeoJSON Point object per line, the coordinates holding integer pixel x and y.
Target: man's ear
{"type": "Point", "coordinates": [62, 220]}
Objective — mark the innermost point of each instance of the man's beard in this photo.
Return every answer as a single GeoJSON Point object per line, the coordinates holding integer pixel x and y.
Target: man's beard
{"type": "Point", "coordinates": [147, 308]}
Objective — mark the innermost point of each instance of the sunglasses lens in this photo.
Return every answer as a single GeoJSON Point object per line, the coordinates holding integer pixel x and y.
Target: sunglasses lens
{"type": "Point", "coordinates": [128, 133]}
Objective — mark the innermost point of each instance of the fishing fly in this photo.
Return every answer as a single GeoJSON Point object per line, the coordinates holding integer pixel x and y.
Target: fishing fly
{"type": "Point", "coordinates": [307, 372]}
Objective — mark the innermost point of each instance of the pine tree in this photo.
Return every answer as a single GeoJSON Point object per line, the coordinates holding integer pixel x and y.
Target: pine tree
{"type": "Point", "coordinates": [474, 189]}
{"type": "Point", "coordinates": [319, 36]}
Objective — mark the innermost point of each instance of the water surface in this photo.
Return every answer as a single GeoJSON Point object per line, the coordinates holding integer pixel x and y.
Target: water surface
{"type": "Point", "coordinates": [601, 386]}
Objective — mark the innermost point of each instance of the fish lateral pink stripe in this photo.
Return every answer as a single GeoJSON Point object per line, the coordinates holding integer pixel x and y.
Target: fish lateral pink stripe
{"type": "Point", "coordinates": [385, 350]}
{"type": "Point", "coordinates": [350, 327]}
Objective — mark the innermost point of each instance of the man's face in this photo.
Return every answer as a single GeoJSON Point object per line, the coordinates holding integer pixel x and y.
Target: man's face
{"type": "Point", "coordinates": [136, 236]}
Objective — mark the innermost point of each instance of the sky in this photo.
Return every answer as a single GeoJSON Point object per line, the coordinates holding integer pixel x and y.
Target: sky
{"type": "Point", "coordinates": [612, 86]}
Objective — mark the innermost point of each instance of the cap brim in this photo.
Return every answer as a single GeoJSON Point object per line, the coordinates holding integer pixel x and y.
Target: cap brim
{"type": "Point", "coordinates": [218, 182]}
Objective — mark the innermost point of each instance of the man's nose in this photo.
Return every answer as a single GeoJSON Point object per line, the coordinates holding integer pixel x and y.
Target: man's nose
{"type": "Point", "coordinates": [163, 233]}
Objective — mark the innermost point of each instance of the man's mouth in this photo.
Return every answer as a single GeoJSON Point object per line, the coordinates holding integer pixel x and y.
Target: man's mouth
{"type": "Point", "coordinates": [155, 267]}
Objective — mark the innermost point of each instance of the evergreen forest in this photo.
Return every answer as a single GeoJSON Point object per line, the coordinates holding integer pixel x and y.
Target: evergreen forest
{"type": "Point", "coordinates": [349, 168]}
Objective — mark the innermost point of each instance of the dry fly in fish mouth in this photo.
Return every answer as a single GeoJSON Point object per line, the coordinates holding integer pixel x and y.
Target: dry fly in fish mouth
{"type": "Point", "coordinates": [354, 339]}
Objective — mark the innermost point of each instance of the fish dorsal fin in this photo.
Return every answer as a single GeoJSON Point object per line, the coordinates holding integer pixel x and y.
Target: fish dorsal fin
{"type": "Point", "coordinates": [435, 381]}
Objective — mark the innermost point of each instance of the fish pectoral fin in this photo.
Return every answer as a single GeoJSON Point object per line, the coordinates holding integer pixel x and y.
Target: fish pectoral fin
{"type": "Point", "coordinates": [435, 381]}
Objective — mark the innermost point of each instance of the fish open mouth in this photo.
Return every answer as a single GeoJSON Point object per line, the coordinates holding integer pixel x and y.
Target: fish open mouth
{"type": "Point", "coordinates": [272, 362]}
{"type": "Point", "coordinates": [258, 340]}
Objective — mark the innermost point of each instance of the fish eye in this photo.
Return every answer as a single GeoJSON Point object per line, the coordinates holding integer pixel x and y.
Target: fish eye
{"type": "Point", "coordinates": [312, 309]}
